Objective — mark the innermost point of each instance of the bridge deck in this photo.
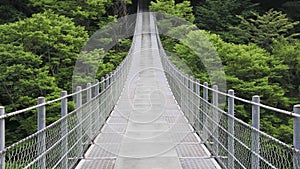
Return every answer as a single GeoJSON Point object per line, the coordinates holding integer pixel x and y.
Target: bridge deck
{"type": "Point", "coordinates": [147, 129]}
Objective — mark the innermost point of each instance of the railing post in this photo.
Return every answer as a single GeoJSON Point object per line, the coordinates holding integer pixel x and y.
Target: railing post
{"type": "Point", "coordinates": [215, 117]}
{"type": "Point", "coordinates": [79, 116]}
{"type": "Point", "coordinates": [42, 135]}
{"type": "Point", "coordinates": [184, 103]}
{"type": "Point", "coordinates": [190, 103]}
{"type": "Point", "coordinates": [107, 81]}
{"type": "Point", "coordinates": [113, 75]}
{"type": "Point", "coordinates": [102, 84]}
{"type": "Point", "coordinates": [205, 91]}
{"type": "Point", "coordinates": [255, 135]}
{"type": "Point", "coordinates": [106, 102]}
{"type": "Point", "coordinates": [110, 92]}
{"type": "Point", "coordinates": [88, 92]}
{"type": "Point", "coordinates": [206, 111]}
{"type": "Point", "coordinates": [296, 137]}
{"type": "Point", "coordinates": [96, 88]}
{"type": "Point", "coordinates": [231, 129]}
{"type": "Point", "coordinates": [2, 138]}
{"type": "Point", "coordinates": [197, 120]}
{"type": "Point", "coordinates": [89, 113]}
{"type": "Point", "coordinates": [64, 129]}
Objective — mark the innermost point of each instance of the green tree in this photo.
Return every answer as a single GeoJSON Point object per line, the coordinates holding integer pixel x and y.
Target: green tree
{"type": "Point", "coordinates": [261, 29]}
{"type": "Point", "coordinates": [85, 13]}
{"type": "Point", "coordinates": [22, 81]}
{"type": "Point", "coordinates": [218, 15]}
{"type": "Point", "coordinates": [56, 39]}
{"type": "Point", "coordinates": [250, 70]}
{"type": "Point", "coordinates": [288, 53]}
{"type": "Point", "coordinates": [181, 10]}
{"type": "Point", "coordinates": [12, 11]}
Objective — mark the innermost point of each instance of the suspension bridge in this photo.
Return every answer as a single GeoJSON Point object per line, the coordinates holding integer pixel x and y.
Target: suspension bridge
{"type": "Point", "coordinates": [149, 114]}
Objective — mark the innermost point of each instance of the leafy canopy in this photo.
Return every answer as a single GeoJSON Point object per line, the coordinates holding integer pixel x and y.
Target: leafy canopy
{"type": "Point", "coordinates": [181, 10]}
{"type": "Point", "coordinates": [262, 29]}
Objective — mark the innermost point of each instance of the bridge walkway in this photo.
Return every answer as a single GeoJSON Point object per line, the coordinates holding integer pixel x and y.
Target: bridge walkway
{"type": "Point", "coordinates": [147, 129]}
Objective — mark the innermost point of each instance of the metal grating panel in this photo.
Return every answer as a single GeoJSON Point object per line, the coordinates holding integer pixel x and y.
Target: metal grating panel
{"type": "Point", "coordinates": [172, 113]}
{"type": "Point", "coordinates": [185, 137]}
{"type": "Point", "coordinates": [103, 151]}
{"type": "Point", "coordinates": [118, 113]}
{"type": "Point", "coordinates": [98, 164]}
{"type": "Point", "coordinates": [176, 119]}
{"type": "Point", "coordinates": [109, 138]}
{"type": "Point", "coordinates": [113, 120]}
{"type": "Point", "coordinates": [180, 128]}
{"type": "Point", "coordinates": [197, 163]}
{"type": "Point", "coordinates": [190, 150]}
{"type": "Point", "coordinates": [114, 128]}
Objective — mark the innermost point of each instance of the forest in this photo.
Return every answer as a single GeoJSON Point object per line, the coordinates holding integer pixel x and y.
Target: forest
{"type": "Point", "coordinates": [258, 42]}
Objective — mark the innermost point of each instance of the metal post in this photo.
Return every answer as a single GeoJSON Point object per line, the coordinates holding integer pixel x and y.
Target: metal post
{"type": "Point", "coordinates": [189, 100]}
{"type": "Point", "coordinates": [97, 88]}
{"type": "Point", "coordinates": [231, 129]}
{"type": "Point", "coordinates": [215, 118]}
{"type": "Point", "coordinates": [197, 120]}
{"type": "Point", "coordinates": [2, 138]}
{"type": "Point", "coordinates": [89, 111]}
{"type": "Point", "coordinates": [107, 101]}
{"type": "Point", "coordinates": [192, 100]}
{"type": "Point", "coordinates": [42, 135]}
{"type": "Point", "coordinates": [255, 135]}
{"type": "Point", "coordinates": [64, 129]}
{"type": "Point", "coordinates": [205, 91]}
{"type": "Point", "coordinates": [107, 81]}
{"type": "Point", "coordinates": [88, 92]}
{"type": "Point", "coordinates": [113, 89]}
{"type": "Point", "coordinates": [112, 79]}
{"type": "Point", "coordinates": [102, 84]}
{"type": "Point", "coordinates": [79, 116]}
{"type": "Point", "coordinates": [96, 93]}
{"type": "Point", "coordinates": [186, 87]}
{"type": "Point", "coordinates": [297, 137]}
{"type": "Point", "coordinates": [205, 111]}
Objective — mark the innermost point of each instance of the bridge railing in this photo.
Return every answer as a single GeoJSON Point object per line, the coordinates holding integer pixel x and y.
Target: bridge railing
{"type": "Point", "coordinates": [231, 141]}
{"type": "Point", "coordinates": [63, 143]}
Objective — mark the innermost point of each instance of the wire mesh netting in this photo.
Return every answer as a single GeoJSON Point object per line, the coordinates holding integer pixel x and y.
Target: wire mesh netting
{"type": "Point", "coordinates": [62, 143]}
{"type": "Point", "coordinates": [233, 142]}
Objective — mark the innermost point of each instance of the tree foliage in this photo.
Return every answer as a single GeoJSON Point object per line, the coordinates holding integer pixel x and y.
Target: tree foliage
{"type": "Point", "coordinates": [262, 29]}
{"type": "Point", "coordinates": [22, 81]}
{"type": "Point", "coordinates": [181, 10]}
{"type": "Point", "coordinates": [41, 40]}
{"type": "Point", "coordinates": [56, 39]}
{"type": "Point", "coordinates": [86, 13]}
{"type": "Point", "coordinates": [12, 11]}
{"type": "Point", "coordinates": [218, 15]}
{"type": "Point", "coordinates": [288, 53]}
{"type": "Point", "coordinates": [37, 58]}
{"type": "Point", "coordinates": [250, 70]}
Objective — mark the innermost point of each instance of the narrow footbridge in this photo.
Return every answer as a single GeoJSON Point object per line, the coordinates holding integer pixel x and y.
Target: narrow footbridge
{"type": "Point", "coordinates": [148, 115]}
